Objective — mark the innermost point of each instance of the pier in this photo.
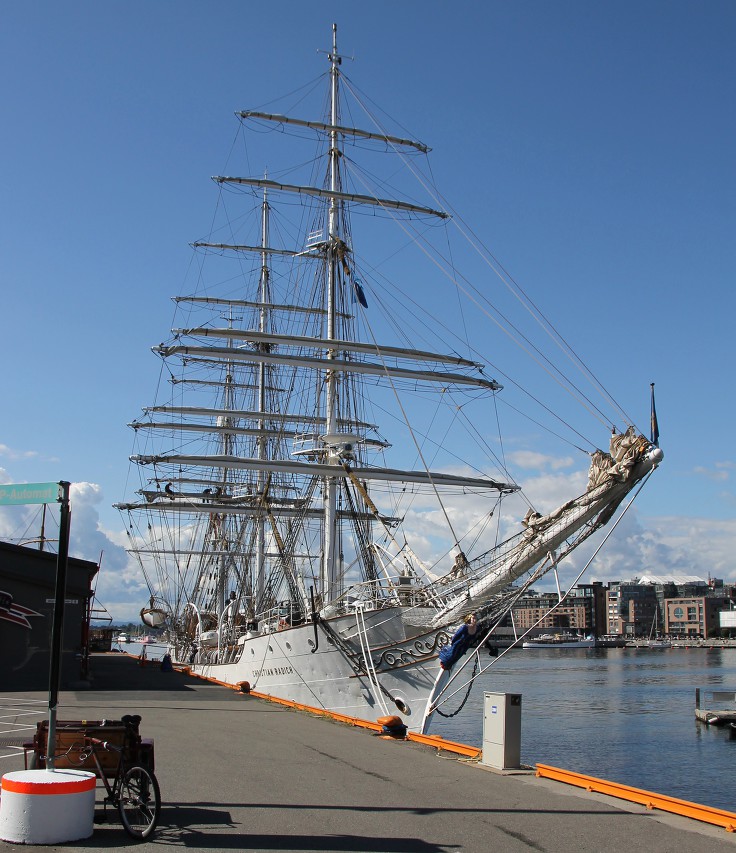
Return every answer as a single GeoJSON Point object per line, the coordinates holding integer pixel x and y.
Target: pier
{"type": "Point", "coordinates": [715, 707]}
{"type": "Point", "coordinates": [239, 772]}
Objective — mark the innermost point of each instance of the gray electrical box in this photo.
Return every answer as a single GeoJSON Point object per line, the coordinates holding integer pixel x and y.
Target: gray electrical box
{"type": "Point", "coordinates": [502, 730]}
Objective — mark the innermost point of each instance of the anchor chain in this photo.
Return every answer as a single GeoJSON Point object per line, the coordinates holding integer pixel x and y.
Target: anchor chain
{"type": "Point", "coordinates": [467, 694]}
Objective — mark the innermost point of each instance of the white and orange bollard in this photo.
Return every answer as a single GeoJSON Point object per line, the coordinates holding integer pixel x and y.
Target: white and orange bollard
{"type": "Point", "coordinates": [47, 806]}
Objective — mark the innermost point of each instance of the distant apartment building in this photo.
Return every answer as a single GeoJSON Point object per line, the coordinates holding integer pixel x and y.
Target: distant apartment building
{"type": "Point", "coordinates": [594, 597]}
{"type": "Point", "coordinates": [696, 616]}
{"type": "Point", "coordinates": [679, 605]}
{"type": "Point", "coordinates": [632, 609]}
{"type": "Point", "coordinates": [534, 610]}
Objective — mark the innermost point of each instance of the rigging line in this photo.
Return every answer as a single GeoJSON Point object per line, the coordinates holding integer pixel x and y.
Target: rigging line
{"type": "Point", "coordinates": [451, 262]}
{"type": "Point", "coordinates": [409, 426]}
{"type": "Point", "coordinates": [459, 708]}
{"type": "Point", "coordinates": [438, 444]}
{"type": "Point", "coordinates": [546, 428]}
{"type": "Point", "coordinates": [471, 427]}
{"type": "Point", "coordinates": [369, 666]}
{"type": "Point", "coordinates": [521, 389]}
{"type": "Point", "coordinates": [536, 313]}
{"type": "Point", "coordinates": [353, 89]}
{"type": "Point", "coordinates": [459, 411]}
{"type": "Point", "coordinates": [546, 326]}
{"type": "Point", "coordinates": [516, 289]}
{"type": "Point", "coordinates": [595, 553]}
{"type": "Point", "coordinates": [516, 337]}
{"type": "Point", "coordinates": [455, 280]}
{"type": "Point", "coordinates": [502, 460]}
{"type": "Point", "coordinates": [303, 91]}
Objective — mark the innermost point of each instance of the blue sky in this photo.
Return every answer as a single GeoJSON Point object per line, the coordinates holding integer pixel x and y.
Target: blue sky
{"type": "Point", "coordinates": [591, 145]}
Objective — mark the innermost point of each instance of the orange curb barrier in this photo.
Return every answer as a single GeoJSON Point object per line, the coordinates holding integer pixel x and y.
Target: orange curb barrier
{"type": "Point", "coordinates": [695, 811]}
{"type": "Point", "coordinates": [428, 740]}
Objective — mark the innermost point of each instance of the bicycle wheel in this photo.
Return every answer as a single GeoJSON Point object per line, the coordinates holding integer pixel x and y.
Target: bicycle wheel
{"type": "Point", "coordinates": [140, 802]}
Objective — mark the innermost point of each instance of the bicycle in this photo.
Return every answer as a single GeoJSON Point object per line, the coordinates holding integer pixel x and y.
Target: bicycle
{"type": "Point", "coordinates": [134, 789]}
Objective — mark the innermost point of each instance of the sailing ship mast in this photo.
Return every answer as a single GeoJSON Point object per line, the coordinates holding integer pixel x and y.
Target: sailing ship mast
{"type": "Point", "coordinates": [259, 538]}
{"type": "Point", "coordinates": [330, 567]}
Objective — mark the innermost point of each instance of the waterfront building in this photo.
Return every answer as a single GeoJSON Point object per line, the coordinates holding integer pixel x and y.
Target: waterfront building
{"type": "Point", "coordinates": [632, 608]}
{"type": "Point", "coordinates": [27, 596]}
{"type": "Point", "coordinates": [594, 596]}
{"type": "Point", "coordinates": [694, 616]}
{"type": "Point", "coordinates": [573, 614]}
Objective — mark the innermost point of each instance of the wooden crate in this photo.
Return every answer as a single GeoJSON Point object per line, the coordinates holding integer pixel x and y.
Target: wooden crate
{"type": "Point", "coordinates": [70, 736]}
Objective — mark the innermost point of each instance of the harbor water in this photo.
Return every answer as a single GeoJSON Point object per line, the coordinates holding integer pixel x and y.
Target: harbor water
{"type": "Point", "coordinates": [625, 715]}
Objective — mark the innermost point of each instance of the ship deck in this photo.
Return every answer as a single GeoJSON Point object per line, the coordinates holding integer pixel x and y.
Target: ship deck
{"type": "Point", "coordinates": [238, 772]}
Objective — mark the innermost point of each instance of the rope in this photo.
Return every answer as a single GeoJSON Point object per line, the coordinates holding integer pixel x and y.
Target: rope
{"type": "Point", "coordinates": [562, 599]}
{"type": "Point", "coordinates": [467, 693]}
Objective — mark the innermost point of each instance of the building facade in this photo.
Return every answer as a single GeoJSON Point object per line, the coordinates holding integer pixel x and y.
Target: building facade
{"type": "Point", "coordinates": [27, 596]}
{"type": "Point", "coordinates": [695, 616]}
{"type": "Point", "coordinates": [573, 614]}
{"type": "Point", "coordinates": [632, 609]}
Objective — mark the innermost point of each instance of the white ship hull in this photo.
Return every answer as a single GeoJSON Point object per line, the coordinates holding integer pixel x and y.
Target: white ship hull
{"type": "Point", "coordinates": [301, 665]}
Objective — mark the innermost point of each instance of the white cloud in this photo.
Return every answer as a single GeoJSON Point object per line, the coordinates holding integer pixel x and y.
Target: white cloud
{"type": "Point", "coordinates": [120, 585]}
{"type": "Point", "coordinates": [710, 474]}
{"type": "Point", "coordinates": [15, 455]}
{"type": "Point", "coordinates": [530, 460]}
{"type": "Point", "coordinates": [637, 546]}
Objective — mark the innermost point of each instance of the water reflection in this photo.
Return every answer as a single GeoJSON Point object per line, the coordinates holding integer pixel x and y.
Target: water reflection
{"type": "Point", "coordinates": [627, 715]}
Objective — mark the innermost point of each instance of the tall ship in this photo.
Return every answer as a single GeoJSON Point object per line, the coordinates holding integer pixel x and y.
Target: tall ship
{"type": "Point", "coordinates": [323, 495]}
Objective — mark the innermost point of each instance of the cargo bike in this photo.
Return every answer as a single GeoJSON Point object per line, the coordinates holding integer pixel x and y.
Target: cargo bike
{"type": "Point", "coordinates": [116, 753]}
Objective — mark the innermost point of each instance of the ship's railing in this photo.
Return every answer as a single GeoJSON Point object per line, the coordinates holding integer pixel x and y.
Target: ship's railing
{"type": "Point", "coordinates": [283, 615]}
{"type": "Point", "coordinates": [376, 595]}
{"type": "Point", "coordinates": [315, 238]}
{"type": "Point", "coordinates": [306, 444]}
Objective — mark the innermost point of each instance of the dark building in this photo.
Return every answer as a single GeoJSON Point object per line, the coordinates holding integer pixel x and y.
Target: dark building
{"type": "Point", "coordinates": [595, 596]}
{"type": "Point", "coordinates": [27, 595]}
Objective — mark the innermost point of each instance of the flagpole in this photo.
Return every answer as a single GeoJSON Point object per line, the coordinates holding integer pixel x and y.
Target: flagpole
{"type": "Point", "coordinates": [654, 426]}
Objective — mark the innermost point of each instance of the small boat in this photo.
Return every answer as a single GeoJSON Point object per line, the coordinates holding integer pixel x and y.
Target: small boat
{"type": "Point", "coordinates": [560, 641]}
{"type": "Point", "coordinates": [288, 542]}
{"type": "Point", "coordinates": [123, 638]}
{"type": "Point", "coordinates": [153, 617]}
{"type": "Point", "coordinates": [655, 641]}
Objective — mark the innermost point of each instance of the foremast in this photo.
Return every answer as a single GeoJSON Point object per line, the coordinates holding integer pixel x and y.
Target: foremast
{"type": "Point", "coordinates": [330, 565]}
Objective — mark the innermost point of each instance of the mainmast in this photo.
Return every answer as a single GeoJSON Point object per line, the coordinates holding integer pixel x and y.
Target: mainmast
{"type": "Point", "coordinates": [264, 298]}
{"type": "Point", "coordinates": [330, 557]}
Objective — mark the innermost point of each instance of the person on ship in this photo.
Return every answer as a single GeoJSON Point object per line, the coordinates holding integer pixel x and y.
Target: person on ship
{"type": "Point", "coordinates": [459, 643]}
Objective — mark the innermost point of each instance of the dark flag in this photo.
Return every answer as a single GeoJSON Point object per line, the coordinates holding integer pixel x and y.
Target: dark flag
{"type": "Point", "coordinates": [360, 294]}
{"type": "Point", "coordinates": [654, 424]}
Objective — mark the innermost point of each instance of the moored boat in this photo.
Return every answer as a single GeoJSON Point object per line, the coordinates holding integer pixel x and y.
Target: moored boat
{"type": "Point", "coordinates": [285, 547]}
{"type": "Point", "coordinates": [560, 641]}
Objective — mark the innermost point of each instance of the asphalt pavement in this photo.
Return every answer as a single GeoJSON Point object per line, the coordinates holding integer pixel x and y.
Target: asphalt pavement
{"type": "Point", "coordinates": [240, 773]}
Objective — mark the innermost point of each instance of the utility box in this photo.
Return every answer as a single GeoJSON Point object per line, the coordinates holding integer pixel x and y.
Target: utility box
{"type": "Point", "coordinates": [502, 730]}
